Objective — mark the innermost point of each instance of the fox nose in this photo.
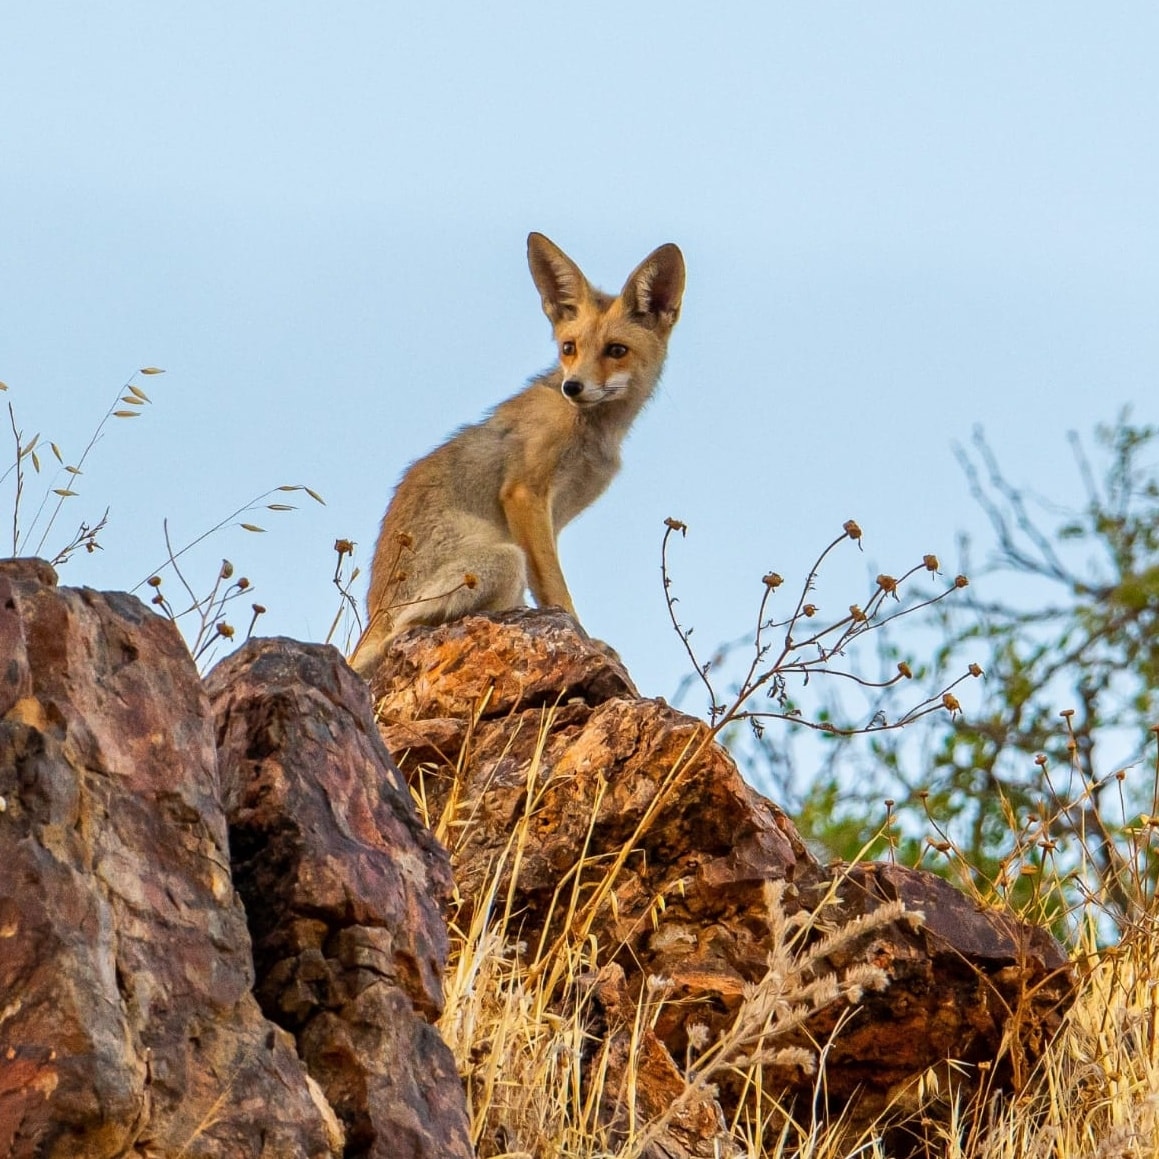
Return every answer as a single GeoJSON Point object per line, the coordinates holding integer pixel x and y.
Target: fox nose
{"type": "Point", "coordinates": [573, 388]}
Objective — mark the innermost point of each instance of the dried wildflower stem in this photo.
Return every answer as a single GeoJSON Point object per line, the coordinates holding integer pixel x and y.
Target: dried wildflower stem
{"type": "Point", "coordinates": [347, 603]}
{"type": "Point", "coordinates": [829, 642]}
{"type": "Point", "coordinates": [700, 669]}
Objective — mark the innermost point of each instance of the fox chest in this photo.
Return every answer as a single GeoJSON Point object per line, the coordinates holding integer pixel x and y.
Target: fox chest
{"type": "Point", "coordinates": [581, 478]}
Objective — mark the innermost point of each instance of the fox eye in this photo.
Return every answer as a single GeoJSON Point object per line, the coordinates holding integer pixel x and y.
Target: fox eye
{"type": "Point", "coordinates": [567, 348]}
{"type": "Point", "coordinates": [616, 350]}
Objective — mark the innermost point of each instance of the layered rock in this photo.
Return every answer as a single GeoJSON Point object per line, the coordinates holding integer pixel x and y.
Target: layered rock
{"type": "Point", "coordinates": [127, 1022]}
{"type": "Point", "coordinates": [343, 886]}
{"type": "Point", "coordinates": [645, 840]}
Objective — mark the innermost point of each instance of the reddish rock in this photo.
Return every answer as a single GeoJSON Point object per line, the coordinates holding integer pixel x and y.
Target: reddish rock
{"type": "Point", "coordinates": [522, 659]}
{"type": "Point", "coordinates": [498, 718]}
{"type": "Point", "coordinates": [968, 982]}
{"type": "Point", "coordinates": [343, 886]}
{"type": "Point", "coordinates": [630, 1059]}
{"type": "Point", "coordinates": [127, 1022]}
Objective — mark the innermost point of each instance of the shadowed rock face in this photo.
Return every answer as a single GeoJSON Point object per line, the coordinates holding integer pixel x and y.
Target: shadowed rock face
{"type": "Point", "coordinates": [690, 903]}
{"type": "Point", "coordinates": [127, 1022]}
{"type": "Point", "coordinates": [343, 886]}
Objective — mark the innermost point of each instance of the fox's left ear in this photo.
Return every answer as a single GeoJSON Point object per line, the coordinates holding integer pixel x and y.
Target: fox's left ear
{"type": "Point", "coordinates": [656, 286]}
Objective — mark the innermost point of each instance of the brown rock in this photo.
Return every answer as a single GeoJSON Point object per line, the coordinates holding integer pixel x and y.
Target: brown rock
{"type": "Point", "coordinates": [970, 983]}
{"type": "Point", "coordinates": [127, 1025]}
{"type": "Point", "coordinates": [498, 664]}
{"type": "Point", "coordinates": [637, 815]}
{"type": "Point", "coordinates": [343, 885]}
{"type": "Point", "coordinates": [694, 1128]}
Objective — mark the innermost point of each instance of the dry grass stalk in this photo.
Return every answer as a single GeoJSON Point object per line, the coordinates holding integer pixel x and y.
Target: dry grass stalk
{"type": "Point", "coordinates": [527, 1032]}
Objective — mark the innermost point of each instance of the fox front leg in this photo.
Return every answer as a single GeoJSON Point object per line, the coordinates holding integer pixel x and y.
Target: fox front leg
{"type": "Point", "coordinates": [529, 520]}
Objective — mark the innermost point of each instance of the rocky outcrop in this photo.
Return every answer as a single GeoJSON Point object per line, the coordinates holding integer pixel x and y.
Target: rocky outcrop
{"type": "Point", "coordinates": [220, 916]}
{"type": "Point", "coordinates": [668, 856]}
{"type": "Point", "coordinates": [127, 1020]}
{"type": "Point", "coordinates": [343, 886]}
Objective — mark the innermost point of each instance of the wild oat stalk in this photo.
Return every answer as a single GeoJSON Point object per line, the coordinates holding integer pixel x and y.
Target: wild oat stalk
{"type": "Point", "coordinates": [128, 403]}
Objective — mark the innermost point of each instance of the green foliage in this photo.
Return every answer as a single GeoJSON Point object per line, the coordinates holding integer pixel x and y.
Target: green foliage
{"type": "Point", "coordinates": [1069, 642]}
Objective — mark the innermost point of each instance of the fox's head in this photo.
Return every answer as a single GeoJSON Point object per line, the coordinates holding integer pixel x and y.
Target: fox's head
{"type": "Point", "coordinates": [609, 348]}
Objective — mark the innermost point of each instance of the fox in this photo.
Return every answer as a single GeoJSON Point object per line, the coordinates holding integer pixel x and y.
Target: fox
{"type": "Point", "coordinates": [475, 523]}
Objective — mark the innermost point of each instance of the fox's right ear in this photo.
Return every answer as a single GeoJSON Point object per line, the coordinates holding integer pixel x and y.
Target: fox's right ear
{"type": "Point", "coordinates": [560, 282]}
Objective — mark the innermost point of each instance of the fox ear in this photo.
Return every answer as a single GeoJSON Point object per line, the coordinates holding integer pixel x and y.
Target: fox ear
{"type": "Point", "coordinates": [560, 281]}
{"type": "Point", "coordinates": [656, 286]}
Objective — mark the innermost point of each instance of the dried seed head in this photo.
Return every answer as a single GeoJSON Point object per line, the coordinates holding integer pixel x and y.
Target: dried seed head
{"type": "Point", "coordinates": [259, 609]}
{"type": "Point", "coordinates": [404, 539]}
{"type": "Point", "coordinates": [158, 599]}
{"type": "Point", "coordinates": [858, 615]}
{"type": "Point", "coordinates": [226, 569]}
{"type": "Point", "coordinates": [951, 702]}
{"type": "Point", "coordinates": [470, 581]}
{"type": "Point", "coordinates": [974, 670]}
{"type": "Point", "coordinates": [1067, 712]}
{"type": "Point", "coordinates": [154, 581]}
{"type": "Point", "coordinates": [810, 609]}
{"type": "Point", "coordinates": [887, 584]}
{"type": "Point", "coordinates": [675, 525]}
{"type": "Point", "coordinates": [851, 529]}
{"type": "Point", "coordinates": [344, 546]}
{"type": "Point", "coordinates": [905, 670]}
{"type": "Point", "coordinates": [242, 584]}
{"type": "Point", "coordinates": [772, 581]}
{"type": "Point", "coordinates": [960, 581]}
{"type": "Point", "coordinates": [698, 1033]}
{"type": "Point", "coordinates": [931, 562]}
{"type": "Point", "coordinates": [224, 629]}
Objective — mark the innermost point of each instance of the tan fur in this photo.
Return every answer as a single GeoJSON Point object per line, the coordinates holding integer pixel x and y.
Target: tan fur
{"type": "Point", "coordinates": [474, 523]}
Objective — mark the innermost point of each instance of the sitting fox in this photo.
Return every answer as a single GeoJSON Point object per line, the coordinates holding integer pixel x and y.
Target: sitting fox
{"type": "Point", "coordinates": [474, 524]}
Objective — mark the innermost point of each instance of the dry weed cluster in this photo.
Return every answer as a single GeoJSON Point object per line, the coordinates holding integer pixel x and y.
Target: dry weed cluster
{"type": "Point", "coordinates": [519, 1019]}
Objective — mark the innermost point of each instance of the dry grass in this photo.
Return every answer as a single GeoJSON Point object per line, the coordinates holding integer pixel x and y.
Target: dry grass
{"type": "Point", "coordinates": [543, 1080]}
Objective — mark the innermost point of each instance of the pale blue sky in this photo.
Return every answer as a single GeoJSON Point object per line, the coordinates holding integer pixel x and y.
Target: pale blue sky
{"type": "Point", "coordinates": [899, 219]}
